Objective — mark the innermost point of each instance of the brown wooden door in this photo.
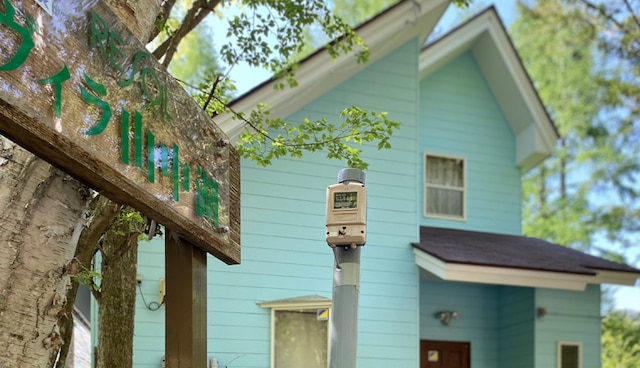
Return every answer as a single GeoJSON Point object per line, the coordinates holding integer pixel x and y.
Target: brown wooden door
{"type": "Point", "coordinates": [444, 354]}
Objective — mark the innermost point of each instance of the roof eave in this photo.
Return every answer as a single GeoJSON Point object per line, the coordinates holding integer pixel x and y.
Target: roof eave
{"type": "Point", "coordinates": [320, 72]}
{"type": "Point", "coordinates": [492, 275]}
{"type": "Point", "coordinates": [304, 302]}
{"type": "Point", "coordinates": [485, 37]}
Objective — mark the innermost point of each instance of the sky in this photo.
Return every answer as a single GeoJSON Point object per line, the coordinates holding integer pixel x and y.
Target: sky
{"type": "Point", "coordinates": [625, 297]}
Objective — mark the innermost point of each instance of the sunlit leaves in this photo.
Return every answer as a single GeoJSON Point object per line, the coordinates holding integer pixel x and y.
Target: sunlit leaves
{"type": "Point", "coordinates": [270, 33]}
{"type": "Point", "coordinates": [266, 139]}
{"type": "Point", "coordinates": [587, 192]}
{"type": "Point", "coordinates": [620, 340]}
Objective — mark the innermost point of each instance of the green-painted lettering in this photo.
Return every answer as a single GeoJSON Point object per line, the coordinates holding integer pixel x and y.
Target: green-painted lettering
{"type": "Point", "coordinates": [56, 80]}
{"type": "Point", "coordinates": [114, 51]}
{"type": "Point", "coordinates": [99, 34]}
{"type": "Point", "coordinates": [175, 163]}
{"type": "Point", "coordinates": [92, 99]}
{"type": "Point", "coordinates": [145, 88]}
{"type": "Point", "coordinates": [165, 113]}
{"type": "Point", "coordinates": [206, 195]}
{"type": "Point", "coordinates": [124, 137]}
{"type": "Point", "coordinates": [27, 40]}
{"type": "Point", "coordinates": [185, 177]}
{"type": "Point", "coordinates": [137, 136]}
{"type": "Point", "coordinates": [151, 158]}
{"type": "Point", "coordinates": [106, 41]}
{"type": "Point", "coordinates": [140, 55]}
{"type": "Point", "coordinates": [211, 201]}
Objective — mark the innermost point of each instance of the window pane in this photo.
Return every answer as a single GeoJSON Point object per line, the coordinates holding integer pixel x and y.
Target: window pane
{"type": "Point", "coordinates": [445, 202]}
{"type": "Point", "coordinates": [300, 340]}
{"type": "Point", "coordinates": [570, 356]}
{"type": "Point", "coordinates": [445, 171]}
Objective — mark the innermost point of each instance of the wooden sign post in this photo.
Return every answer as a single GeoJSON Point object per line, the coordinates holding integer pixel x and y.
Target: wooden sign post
{"type": "Point", "coordinates": [80, 91]}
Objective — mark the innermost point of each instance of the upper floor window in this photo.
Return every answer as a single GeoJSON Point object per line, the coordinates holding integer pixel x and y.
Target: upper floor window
{"type": "Point", "coordinates": [444, 187]}
{"type": "Point", "coordinates": [569, 354]}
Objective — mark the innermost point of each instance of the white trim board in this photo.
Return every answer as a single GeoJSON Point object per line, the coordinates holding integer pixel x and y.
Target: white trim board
{"type": "Point", "coordinates": [486, 39]}
{"type": "Point", "coordinates": [516, 276]}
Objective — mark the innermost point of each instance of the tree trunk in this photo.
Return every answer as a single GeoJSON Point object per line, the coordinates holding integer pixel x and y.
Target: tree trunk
{"type": "Point", "coordinates": [103, 212]}
{"type": "Point", "coordinates": [116, 303]}
{"type": "Point", "coordinates": [41, 216]}
{"type": "Point", "coordinates": [42, 213]}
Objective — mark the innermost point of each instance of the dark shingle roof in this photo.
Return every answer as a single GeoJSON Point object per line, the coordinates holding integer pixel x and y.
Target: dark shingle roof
{"type": "Point", "coordinates": [510, 251]}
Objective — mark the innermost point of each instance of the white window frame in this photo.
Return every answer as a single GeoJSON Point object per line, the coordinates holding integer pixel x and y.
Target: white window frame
{"type": "Point", "coordinates": [295, 305]}
{"type": "Point", "coordinates": [568, 343]}
{"type": "Point", "coordinates": [426, 185]}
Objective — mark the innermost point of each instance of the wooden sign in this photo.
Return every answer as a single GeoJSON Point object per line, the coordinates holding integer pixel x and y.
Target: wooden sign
{"type": "Point", "coordinates": [80, 91]}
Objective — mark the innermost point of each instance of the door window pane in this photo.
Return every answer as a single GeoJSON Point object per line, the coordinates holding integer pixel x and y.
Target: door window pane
{"type": "Point", "coordinates": [569, 355]}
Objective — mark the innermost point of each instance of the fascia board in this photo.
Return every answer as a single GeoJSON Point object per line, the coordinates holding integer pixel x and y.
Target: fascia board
{"type": "Point", "coordinates": [486, 33]}
{"type": "Point", "coordinates": [321, 72]}
{"type": "Point", "coordinates": [448, 48]}
{"type": "Point", "coordinates": [292, 305]}
{"type": "Point", "coordinates": [546, 133]}
{"type": "Point", "coordinates": [501, 275]}
{"type": "Point", "coordinates": [617, 277]}
{"type": "Point", "coordinates": [517, 277]}
{"type": "Point", "coordinates": [430, 263]}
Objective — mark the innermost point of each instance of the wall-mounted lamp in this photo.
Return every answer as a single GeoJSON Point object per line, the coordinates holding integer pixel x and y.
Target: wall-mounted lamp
{"type": "Point", "coordinates": [446, 316]}
{"type": "Point", "coordinates": [542, 312]}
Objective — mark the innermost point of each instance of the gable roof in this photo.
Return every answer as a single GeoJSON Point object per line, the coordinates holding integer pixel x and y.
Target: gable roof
{"type": "Point", "coordinates": [319, 73]}
{"type": "Point", "coordinates": [472, 256]}
{"type": "Point", "coordinates": [486, 38]}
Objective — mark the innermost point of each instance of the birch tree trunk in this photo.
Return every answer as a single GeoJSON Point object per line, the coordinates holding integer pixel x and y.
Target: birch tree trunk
{"type": "Point", "coordinates": [42, 214]}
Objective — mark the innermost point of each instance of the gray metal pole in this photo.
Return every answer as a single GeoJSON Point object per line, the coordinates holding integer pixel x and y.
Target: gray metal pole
{"type": "Point", "coordinates": [346, 288]}
{"type": "Point", "coordinates": [344, 316]}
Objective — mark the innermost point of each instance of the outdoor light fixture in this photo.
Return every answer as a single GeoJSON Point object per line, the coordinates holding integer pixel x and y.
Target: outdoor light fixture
{"type": "Point", "coordinates": [446, 316]}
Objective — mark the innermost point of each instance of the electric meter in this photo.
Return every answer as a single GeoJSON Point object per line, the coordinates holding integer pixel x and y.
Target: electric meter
{"type": "Point", "coordinates": [346, 214]}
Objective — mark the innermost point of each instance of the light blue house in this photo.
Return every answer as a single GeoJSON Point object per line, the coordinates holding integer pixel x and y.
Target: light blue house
{"type": "Point", "coordinates": [447, 280]}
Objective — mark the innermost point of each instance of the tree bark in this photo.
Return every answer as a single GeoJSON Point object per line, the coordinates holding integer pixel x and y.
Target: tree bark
{"type": "Point", "coordinates": [103, 212]}
{"type": "Point", "coordinates": [41, 216]}
{"type": "Point", "coordinates": [119, 250]}
{"type": "Point", "coordinates": [42, 213]}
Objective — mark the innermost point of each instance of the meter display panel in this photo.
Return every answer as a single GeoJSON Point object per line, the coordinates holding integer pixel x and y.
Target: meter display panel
{"type": "Point", "coordinates": [345, 200]}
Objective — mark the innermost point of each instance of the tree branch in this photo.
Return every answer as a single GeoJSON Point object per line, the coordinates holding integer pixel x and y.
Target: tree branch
{"type": "Point", "coordinates": [633, 15]}
{"type": "Point", "coordinates": [162, 18]}
{"type": "Point", "coordinates": [196, 14]}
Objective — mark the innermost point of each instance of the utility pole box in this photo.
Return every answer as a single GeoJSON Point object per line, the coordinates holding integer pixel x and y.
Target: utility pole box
{"type": "Point", "coordinates": [346, 214]}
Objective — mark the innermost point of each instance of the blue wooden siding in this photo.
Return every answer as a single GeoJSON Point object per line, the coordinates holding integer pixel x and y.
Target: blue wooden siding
{"type": "Point", "coordinates": [516, 318]}
{"type": "Point", "coordinates": [284, 254]}
{"type": "Point", "coordinates": [502, 325]}
{"type": "Point", "coordinates": [459, 116]}
{"type": "Point", "coordinates": [477, 323]}
{"type": "Point", "coordinates": [571, 316]}
{"type": "Point", "coordinates": [148, 339]}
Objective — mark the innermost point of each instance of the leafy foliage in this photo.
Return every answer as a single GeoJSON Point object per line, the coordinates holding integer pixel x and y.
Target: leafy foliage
{"type": "Point", "coordinates": [273, 34]}
{"type": "Point", "coordinates": [266, 139]}
{"type": "Point", "coordinates": [565, 197]}
{"type": "Point", "coordinates": [269, 33]}
{"type": "Point", "coordinates": [88, 278]}
{"type": "Point", "coordinates": [620, 340]}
